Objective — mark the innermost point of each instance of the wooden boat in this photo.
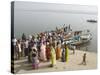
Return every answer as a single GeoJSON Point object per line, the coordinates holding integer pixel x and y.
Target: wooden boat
{"type": "Point", "coordinates": [92, 21]}
{"type": "Point", "coordinates": [84, 38]}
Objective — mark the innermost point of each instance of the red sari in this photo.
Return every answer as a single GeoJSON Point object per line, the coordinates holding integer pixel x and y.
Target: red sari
{"type": "Point", "coordinates": [48, 52]}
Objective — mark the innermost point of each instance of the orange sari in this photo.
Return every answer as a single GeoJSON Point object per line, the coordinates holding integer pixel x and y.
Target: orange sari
{"type": "Point", "coordinates": [58, 53]}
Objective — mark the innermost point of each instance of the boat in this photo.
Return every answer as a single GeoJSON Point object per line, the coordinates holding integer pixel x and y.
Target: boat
{"type": "Point", "coordinates": [84, 38]}
{"type": "Point", "coordinates": [92, 21]}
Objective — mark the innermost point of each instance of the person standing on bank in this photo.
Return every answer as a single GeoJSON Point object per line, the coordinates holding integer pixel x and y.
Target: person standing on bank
{"type": "Point", "coordinates": [23, 47]}
{"type": "Point", "coordinates": [84, 59]}
{"type": "Point", "coordinates": [74, 48]}
{"type": "Point", "coordinates": [66, 53]}
{"type": "Point", "coordinates": [35, 61]}
{"type": "Point", "coordinates": [30, 45]}
{"type": "Point", "coordinates": [19, 48]}
{"type": "Point", "coordinates": [48, 51]}
{"type": "Point", "coordinates": [23, 37]}
{"type": "Point", "coordinates": [63, 53]}
{"type": "Point", "coordinates": [26, 47]}
{"type": "Point", "coordinates": [52, 56]}
{"type": "Point", "coordinates": [58, 51]}
{"type": "Point", "coordinates": [15, 49]}
{"type": "Point", "coordinates": [43, 52]}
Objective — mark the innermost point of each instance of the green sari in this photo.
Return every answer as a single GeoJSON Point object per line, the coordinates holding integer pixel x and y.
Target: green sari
{"type": "Point", "coordinates": [66, 54]}
{"type": "Point", "coordinates": [53, 56]}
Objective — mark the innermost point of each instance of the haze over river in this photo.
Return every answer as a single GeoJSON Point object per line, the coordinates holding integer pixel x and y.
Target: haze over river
{"type": "Point", "coordinates": [30, 18]}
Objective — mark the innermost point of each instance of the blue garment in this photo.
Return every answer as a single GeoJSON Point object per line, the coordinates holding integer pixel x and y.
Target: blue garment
{"type": "Point", "coordinates": [77, 37]}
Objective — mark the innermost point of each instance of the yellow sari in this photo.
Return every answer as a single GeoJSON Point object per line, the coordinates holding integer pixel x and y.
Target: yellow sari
{"type": "Point", "coordinates": [66, 54]}
{"type": "Point", "coordinates": [53, 56]}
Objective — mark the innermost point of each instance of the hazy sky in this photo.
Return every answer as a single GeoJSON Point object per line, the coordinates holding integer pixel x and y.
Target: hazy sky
{"type": "Point", "coordinates": [32, 17]}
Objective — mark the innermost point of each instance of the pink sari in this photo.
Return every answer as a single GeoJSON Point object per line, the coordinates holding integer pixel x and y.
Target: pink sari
{"type": "Point", "coordinates": [43, 52]}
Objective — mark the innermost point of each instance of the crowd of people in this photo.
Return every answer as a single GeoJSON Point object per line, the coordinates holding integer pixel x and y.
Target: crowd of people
{"type": "Point", "coordinates": [43, 47]}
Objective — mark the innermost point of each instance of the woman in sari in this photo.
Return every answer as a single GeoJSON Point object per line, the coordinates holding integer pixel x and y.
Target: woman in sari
{"type": "Point", "coordinates": [58, 51]}
{"type": "Point", "coordinates": [43, 52]}
{"type": "Point", "coordinates": [48, 51]}
{"type": "Point", "coordinates": [66, 53]}
{"type": "Point", "coordinates": [53, 56]}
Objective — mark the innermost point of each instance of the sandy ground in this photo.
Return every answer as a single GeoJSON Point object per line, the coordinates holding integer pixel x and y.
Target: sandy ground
{"type": "Point", "coordinates": [74, 63]}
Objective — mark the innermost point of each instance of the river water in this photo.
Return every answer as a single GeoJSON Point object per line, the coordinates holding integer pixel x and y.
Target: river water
{"type": "Point", "coordinates": [34, 21]}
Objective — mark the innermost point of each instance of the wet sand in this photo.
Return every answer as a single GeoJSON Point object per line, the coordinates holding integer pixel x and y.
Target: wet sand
{"type": "Point", "coordinates": [74, 63]}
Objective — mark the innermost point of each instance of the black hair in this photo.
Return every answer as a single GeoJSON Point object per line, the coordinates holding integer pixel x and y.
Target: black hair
{"type": "Point", "coordinates": [58, 43]}
{"type": "Point", "coordinates": [33, 55]}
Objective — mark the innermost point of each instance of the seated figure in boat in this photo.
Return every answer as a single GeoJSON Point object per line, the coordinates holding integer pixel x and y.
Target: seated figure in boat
{"type": "Point", "coordinates": [76, 36]}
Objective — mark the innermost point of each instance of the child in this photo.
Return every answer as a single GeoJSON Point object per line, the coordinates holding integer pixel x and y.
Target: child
{"type": "Point", "coordinates": [35, 60]}
{"type": "Point", "coordinates": [84, 59]}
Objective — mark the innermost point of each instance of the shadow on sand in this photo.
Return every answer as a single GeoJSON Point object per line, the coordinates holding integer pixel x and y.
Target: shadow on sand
{"type": "Point", "coordinates": [28, 66]}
